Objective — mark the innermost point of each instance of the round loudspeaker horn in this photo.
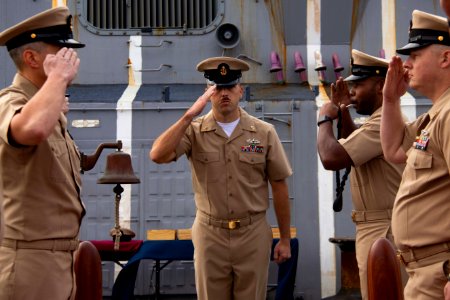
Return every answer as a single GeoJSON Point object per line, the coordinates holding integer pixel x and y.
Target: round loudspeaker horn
{"type": "Point", "coordinates": [227, 36]}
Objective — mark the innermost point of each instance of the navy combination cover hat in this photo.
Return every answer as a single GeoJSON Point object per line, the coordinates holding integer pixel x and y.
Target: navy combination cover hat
{"type": "Point", "coordinates": [426, 29]}
{"type": "Point", "coordinates": [52, 26]}
{"type": "Point", "coordinates": [223, 71]}
{"type": "Point", "coordinates": [364, 65]}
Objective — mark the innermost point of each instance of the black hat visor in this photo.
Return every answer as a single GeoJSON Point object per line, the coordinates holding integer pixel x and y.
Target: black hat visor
{"type": "Point", "coordinates": [360, 72]}
{"type": "Point", "coordinates": [420, 38]}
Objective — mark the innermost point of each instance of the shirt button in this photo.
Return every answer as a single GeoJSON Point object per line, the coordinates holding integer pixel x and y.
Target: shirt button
{"type": "Point", "coordinates": [230, 177]}
{"type": "Point", "coordinates": [229, 160]}
{"type": "Point", "coordinates": [230, 194]}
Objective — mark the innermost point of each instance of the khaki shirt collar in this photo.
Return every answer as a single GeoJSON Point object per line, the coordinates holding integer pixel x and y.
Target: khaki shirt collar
{"type": "Point", "coordinates": [25, 85]}
{"type": "Point", "coordinates": [245, 122]}
{"type": "Point", "coordinates": [440, 103]}
{"type": "Point", "coordinates": [375, 114]}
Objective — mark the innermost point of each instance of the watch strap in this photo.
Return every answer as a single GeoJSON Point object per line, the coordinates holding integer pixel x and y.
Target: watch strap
{"type": "Point", "coordinates": [324, 119]}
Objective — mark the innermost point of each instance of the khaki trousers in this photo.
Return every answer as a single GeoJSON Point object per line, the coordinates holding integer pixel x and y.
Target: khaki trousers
{"type": "Point", "coordinates": [36, 274]}
{"type": "Point", "coordinates": [427, 278]}
{"type": "Point", "coordinates": [366, 235]}
{"type": "Point", "coordinates": [231, 264]}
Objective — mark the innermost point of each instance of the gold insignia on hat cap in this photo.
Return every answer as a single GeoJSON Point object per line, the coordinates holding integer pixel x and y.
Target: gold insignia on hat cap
{"type": "Point", "coordinates": [223, 71]}
{"type": "Point", "coordinates": [51, 26]}
{"type": "Point", "coordinates": [426, 29]}
{"type": "Point", "coordinates": [214, 62]}
{"type": "Point", "coordinates": [364, 65]}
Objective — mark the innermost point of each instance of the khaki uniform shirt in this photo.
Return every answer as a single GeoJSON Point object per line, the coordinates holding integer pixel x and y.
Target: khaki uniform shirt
{"type": "Point", "coordinates": [41, 183]}
{"type": "Point", "coordinates": [422, 207]}
{"type": "Point", "coordinates": [374, 184]}
{"type": "Point", "coordinates": [230, 175]}
{"type": "Point", "coordinates": [374, 181]}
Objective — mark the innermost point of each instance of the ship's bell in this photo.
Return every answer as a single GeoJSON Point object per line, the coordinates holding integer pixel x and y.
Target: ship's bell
{"type": "Point", "coordinates": [118, 170]}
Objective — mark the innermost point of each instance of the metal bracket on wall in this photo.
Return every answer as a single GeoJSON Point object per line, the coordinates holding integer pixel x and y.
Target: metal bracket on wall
{"type": "Point", "coordinates": [245, 57]}
{"type": "Point", "coordinates": [153, 70]}
{"type": "Point", "coordinates": [165, 94]}
{"type": "Point", "coordinates": [259, 106]}
{"type": "Point", "coordinates": [157, 45]}
{"type": "Point", "coordinates": [268, 117]}
{"type": "Point", "coordinates": [295, 105]}
{"type": "Point", "coordinates": [247, 94]}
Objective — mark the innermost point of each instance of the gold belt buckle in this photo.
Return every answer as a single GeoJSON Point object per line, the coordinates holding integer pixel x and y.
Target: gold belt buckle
{"type": "Point", "coordinates": [234, 224]}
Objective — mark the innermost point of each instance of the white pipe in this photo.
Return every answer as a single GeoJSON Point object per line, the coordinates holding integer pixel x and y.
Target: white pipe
{"type": "Point", "coordinates": [56, 3]}
{"type": "Point", "coordinates": [388, 27]}
{"type": "Point", "coordinates": [124, 119]}
{"type": "Point", "coordinates": [124, 124]}
{"type": "Point", "coordinates": [408, 102]}
{"type": "Point", "coordinates": [325, 178]}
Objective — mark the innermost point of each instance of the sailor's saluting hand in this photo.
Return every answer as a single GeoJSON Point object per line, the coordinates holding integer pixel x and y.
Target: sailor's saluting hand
{"type": "Point", "coordinates": [396, 80]}
{"type": "Point", "coordinates": [64, 64]}
{"type": "Point", "coordinates": [201, 102]}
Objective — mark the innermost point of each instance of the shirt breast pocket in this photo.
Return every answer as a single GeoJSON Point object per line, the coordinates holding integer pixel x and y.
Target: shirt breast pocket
{"type": "Point", "coordinates": [252, 164]}
{"type": "Point", "coordinates": [207, 166]}
{"type": "Point", "coordinates": [60, 160]}
{"type": "Point", "coordinates": [421, 164]}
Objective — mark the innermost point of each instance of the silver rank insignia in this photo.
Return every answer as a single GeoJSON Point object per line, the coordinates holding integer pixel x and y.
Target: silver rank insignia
{"type": "Point", "coordinates": [253, 141]}
{"type": "Point", "coordinates": [253, 146]}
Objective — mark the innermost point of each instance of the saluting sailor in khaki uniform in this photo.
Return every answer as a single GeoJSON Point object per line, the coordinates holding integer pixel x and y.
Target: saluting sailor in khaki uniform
{"type": "Point", "coordinates": [445, 4]}
{"type": "Point", "coordinates": [420, 221]}
{"type": "Point", "coordinates": [233, 157]}
{"type": "Point", "coordinates": [374, 181]}
{"type": "Point", "coordinates": [40, 163]}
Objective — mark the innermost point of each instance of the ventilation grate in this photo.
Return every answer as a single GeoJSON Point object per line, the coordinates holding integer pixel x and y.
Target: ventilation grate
{"type": "Point", "coordinates": [151, 14]}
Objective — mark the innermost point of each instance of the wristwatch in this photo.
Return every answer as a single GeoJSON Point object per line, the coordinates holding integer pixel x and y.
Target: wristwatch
{"type": "Point", "coordinates": [323, 119]}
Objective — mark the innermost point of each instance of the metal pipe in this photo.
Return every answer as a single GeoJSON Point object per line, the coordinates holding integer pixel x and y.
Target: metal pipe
{"type": "Point", "coordinates": [300, 66]}
{"type": "Point", "coordinates": [320, 67]}
{"type": "Point", "coordinates": [337, 66]}
{"type": "Point", "coordinates": [276, 67]}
